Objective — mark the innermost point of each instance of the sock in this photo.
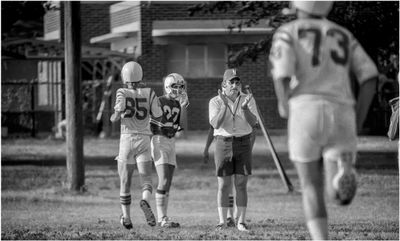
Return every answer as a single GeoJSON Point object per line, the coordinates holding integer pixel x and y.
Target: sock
{"type": "Point", "coordinates": [241, 214]}
{"type": "Point", "coordinates": [222, 212]}
{"type": "Point", "coordinates": [125, 201]}
{"type": "Point", "coordinates": [147, 189]}
{"type": "Point", "coordinates": [230, 210]}
{"type": "Point", "coordinates": [160, 203]}
{"type": "Point", "coordinates": [318, 228]}
{"type": "Point", "coordinates": [166, 203]}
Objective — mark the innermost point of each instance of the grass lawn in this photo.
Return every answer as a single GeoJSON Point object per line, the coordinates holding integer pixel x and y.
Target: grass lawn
{"type": "Point", "coordinates": [35, 204]}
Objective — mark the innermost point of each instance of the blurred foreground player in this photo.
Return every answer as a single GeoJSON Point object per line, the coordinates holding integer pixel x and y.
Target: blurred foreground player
{"type": "Point", "coordinates": [311, 60]}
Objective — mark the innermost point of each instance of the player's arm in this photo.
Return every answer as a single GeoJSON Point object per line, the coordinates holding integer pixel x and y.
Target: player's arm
{"type": "Point", "coordinates": [184, 100]}
{"type": "Point", "coordinates": [155, 106]}
{"type": "Point", "coordinates": [282, 68]}
{"type": "Point", "coordinates": [282, 91]}
{"type": "Point", "coordinates": [367, 75]}
{"type": "Point", "coordinates": [364, 100]}
{"type": "Point", "coordinates": [120, 106]}
{"type": "Point", "coordinates": [217, 111]}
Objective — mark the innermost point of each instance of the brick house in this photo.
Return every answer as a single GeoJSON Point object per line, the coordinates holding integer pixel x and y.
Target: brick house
{"type": "Point", "coordinates": [164, 39]}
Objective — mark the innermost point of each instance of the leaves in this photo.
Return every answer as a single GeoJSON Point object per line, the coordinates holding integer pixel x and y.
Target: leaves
{"type": "Point", "coordinates": [366, 20]}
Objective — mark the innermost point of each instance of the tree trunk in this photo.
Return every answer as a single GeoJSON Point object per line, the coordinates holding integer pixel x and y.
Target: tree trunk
{"type": "Point", "coordinates": [73, 95]}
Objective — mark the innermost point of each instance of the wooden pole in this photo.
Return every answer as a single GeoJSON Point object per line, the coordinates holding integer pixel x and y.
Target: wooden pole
{"type": "Point", "coordinates": [73, 95]}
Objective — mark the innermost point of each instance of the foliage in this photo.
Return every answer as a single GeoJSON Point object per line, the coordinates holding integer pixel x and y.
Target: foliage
{"type": "Point", "coordinates": [366, 20]}
{"type": "Point", "coordinates": [22, 19]}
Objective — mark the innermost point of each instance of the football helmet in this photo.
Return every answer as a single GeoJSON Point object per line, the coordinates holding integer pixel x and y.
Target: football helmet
{"type": "Point", "coordinates": [318, 8]}
{"type": "Point", "coordinates": [174, 85]}
{"type": "Point", "coordinates": [131, 72]}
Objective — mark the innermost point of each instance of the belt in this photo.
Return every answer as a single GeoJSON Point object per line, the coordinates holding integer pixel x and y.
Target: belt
{"type": "Point", "coordinates": [233, 138]}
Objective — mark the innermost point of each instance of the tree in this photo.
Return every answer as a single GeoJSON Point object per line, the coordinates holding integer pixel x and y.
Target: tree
{"type": "Point", "coordinates": [365, 20]}
{"type": "Point", "coordinates": [21, 19]}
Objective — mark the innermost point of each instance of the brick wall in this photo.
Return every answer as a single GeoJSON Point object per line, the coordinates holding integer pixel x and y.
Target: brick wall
{"type": "Point", "coordinates": [200, 91]}
{"type": "Point", "coordinates": [95, 21]}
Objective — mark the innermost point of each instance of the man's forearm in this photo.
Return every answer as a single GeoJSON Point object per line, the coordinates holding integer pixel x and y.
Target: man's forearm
{"type": "Point", "coordinates": [250, 117]}
{"type": "Point", "coordinates": [217, 121]}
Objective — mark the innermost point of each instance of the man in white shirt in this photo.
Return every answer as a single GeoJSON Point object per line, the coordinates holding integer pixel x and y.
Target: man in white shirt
{"type": "Point", "coordinates": [232, 115]}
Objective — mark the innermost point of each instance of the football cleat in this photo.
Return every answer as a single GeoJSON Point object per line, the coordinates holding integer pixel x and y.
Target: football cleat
{"type": "Point", "coordinates": [242, 227]}
{"type": "Point", "coordinates": [126, 223]}
{"type": "Point", "coordinates": [344, 182]}
{"type": "Point", "coordinates": [167, 223]}
{"type": "Point", "coordinates": [148, 214]}
{"type": "Point", "coordinates": [220, 226]}
{"type": "Point", "coordinates": [230, 222]}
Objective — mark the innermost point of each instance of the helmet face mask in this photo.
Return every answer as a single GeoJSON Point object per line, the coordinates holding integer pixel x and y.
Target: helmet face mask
{"type": "Point", "coordinates": [174, 85]}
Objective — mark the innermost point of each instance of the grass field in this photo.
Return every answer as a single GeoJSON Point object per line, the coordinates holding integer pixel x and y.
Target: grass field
{"type": "Point", "coordinates": [35, 204]}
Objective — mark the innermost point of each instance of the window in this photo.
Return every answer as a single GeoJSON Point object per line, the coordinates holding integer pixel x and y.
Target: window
{"type": "Point", "coordinates": [197, 61]}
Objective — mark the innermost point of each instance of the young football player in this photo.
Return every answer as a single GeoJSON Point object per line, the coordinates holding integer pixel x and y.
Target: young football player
{"type": "Point", "coordinates": [134, 105]}
{"type": "Point", "coordinates": [164, 131]}
{"type": "Point", "coordinates": [311, 60]}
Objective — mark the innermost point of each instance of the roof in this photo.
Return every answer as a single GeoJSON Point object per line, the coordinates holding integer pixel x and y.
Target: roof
{"type": "Point", "coordinates": [207, 31]}
{"type": "Point", "coordinates": [36, 48]}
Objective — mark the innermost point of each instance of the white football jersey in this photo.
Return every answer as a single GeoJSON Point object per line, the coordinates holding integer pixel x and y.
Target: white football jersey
{"type": "Point", "coordinates": [318, 55]}
{"type": "Point", "coordinates": [137, 106]}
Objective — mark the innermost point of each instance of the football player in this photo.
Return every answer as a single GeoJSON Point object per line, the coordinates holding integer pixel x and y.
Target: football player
{"type": "Point", "coordinates": [164, 131]}
{"type": "Point", "coordinates": [311, 60]}
{"type": "Point", "coordinates": [134, 105]}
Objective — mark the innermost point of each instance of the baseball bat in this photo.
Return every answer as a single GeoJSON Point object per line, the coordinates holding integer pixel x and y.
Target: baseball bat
{"type": "Point", "coordinates": [278, 163]}
{"type": "Point", "coordinates": [106, 94]}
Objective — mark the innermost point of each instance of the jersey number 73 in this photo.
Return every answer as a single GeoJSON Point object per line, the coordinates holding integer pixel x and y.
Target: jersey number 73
{"type": "Point", "coordinates": [339, 57]}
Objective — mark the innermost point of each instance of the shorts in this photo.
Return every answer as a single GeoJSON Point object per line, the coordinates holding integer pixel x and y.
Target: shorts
{"type": "Point", "coordinates": [319, 128]}
{"type": "Point", "coordinates": [134, 148]}
{"type": "Point", "coordinates": [232, 155]}
{"type": "Point", "coordinates": [163, 150]}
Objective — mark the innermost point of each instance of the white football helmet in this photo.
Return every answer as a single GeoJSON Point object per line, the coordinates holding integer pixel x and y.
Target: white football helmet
{"type": "Point", "coordinates": [318, 8]}
{"type": "Point", "coordinates": [131, 72]}
{"type": "Point", "coordinates": [174, 85]}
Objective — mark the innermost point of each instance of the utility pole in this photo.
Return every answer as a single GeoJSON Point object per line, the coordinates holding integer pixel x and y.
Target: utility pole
{"type": "Point", "coordinates": [73, 96]}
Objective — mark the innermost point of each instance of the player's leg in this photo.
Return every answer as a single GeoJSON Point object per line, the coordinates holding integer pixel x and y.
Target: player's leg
{"type": "Point", "coordinates": [161, 193]}
{"type": "Point", "coordinates": [126, 166]}
{"type": "Point", "coordinates": [311, 180]}
{"type": "Point", "coordinates": [125, 172]}
{"type": "Point", "coordinates": [307, 135]}
{"type": "Point", "coordinates": [340, 156]}
{"type": "Point", "coordinates": [145, 167]}
{"type": "Point", "coordinates": [163, 152]}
